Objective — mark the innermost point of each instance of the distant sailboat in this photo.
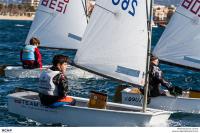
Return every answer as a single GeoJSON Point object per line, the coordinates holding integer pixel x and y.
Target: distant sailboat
{"type": "Point", "coordinates": [114, 45]}
{"type": "Point", "coordinates": [178, 45]}
{"type": "Point", "coordinates": [58, 25]}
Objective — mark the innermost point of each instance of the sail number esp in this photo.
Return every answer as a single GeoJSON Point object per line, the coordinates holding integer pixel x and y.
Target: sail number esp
{"type": "Point", "coordinates": [125, 4]}
{"type": "Point", "coordinates": [58, 5]}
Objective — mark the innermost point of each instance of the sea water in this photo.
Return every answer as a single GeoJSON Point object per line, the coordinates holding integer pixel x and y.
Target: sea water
{"type": "Point", "coordinates": [12, 38]}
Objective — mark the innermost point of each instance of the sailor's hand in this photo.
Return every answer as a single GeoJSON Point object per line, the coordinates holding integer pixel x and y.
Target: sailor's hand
{"type": "Point", "coordinates": [175, 91]}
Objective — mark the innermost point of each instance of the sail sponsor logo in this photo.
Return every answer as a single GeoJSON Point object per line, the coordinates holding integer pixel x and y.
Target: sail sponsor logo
{"type": "Point", "coordinates": [192, 5]}
{"type": "Point", "coordinates": [134, 99]}
{"type": "Point", "coordinates": [57, 5]}
{"type": "Point", "coordinates": [33, 105]}
{"type": "Point", "coordinates": [126, 5]}
{"type": "Point", "coordinates": [24, 102]}
{"type": "Point", "coordinates": [6, 130]}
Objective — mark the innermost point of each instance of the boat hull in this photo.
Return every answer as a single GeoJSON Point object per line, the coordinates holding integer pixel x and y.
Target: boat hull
{"type": "Point", "coordinates": [19, 72]}
{"type": "Point", "coordinates": [28, 105]}
{"type": "Point", "coordinates": [168, 103]}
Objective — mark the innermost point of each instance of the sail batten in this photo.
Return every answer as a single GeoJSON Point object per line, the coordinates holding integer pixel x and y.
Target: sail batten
{"type": "Point", "coordinates": [115, 41]}
{"type": "Point", "coordinates": [179, 43]}
{"type": "Point", "coordinates": [73, 36]}
{"type": "Point", "coordinates": [60, 24]}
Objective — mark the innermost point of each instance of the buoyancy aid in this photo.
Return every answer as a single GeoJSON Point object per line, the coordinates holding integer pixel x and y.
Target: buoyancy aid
{"type": "Point", "coordinates": [64, 101]}
{"type": "Point", "coordinates": [156, 72]}
{"type": "Point", "coordinates": [156, 80]}
{"type": "Point", "coordinates": [46, 85]}
{"type": "Point", "coordinates": [28, 52]}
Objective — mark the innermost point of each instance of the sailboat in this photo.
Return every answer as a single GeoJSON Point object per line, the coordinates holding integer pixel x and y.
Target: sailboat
{"type": "Point", "coordinates": [179, 46]}
{"type": "Point", "coordinates": [58, 25]}
{"type": "Point", "coordinates": [112, 48]}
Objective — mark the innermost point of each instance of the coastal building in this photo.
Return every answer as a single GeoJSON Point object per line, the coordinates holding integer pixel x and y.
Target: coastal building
{"type": "Point", "coordinates": [10, 1]}
{"type": "Point", "coordinates": [162, 14]}
{"type": "Point", "coordinates": [33, 3]}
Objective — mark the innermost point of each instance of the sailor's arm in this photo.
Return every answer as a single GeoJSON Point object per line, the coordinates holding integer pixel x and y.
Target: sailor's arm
{"type": "Point", "coordinates": [38, 57]}
{"type": "Point", "coordinates": [159, 76]}
{"type": "Point", "coordinates": [62, 85]}
{"type": "Point", "coordinates": [21, 52]}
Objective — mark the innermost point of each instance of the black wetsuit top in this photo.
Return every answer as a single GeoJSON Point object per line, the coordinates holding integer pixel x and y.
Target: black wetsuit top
{"type": "Point", "coordinates": [155, 80]}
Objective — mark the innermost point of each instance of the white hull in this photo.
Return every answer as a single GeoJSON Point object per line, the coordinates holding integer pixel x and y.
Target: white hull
{"type": "Point", "coordinates": [27, 104]}
{"type": "Point", "coordinates": [169, 103]}
{"type": "Point", "coordinates": [19, 72]}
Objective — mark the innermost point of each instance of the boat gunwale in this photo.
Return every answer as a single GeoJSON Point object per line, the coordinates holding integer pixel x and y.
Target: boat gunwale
{"type": "Point", "coordinates": [172, 97]}
{"type": "Point", "coordinates": [150, 112]}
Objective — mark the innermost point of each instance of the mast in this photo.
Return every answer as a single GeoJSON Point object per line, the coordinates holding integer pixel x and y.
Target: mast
{"type": "Point", "coordinates": [149, 27]}
{"type": "Point", "coordinates": [86, 10]}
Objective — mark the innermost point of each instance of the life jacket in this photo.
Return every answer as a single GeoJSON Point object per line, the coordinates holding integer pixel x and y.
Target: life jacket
{"type": "Point", "coordinates": [28, 52]}
{"type": "Point", "coordinates": [154, 82]}
{"type": "Point", "coordinates": [64, 101]}
{"type": "Point", "coordinates": [46, 85]}
{"type": "Point", "coordinates": [156, 72]}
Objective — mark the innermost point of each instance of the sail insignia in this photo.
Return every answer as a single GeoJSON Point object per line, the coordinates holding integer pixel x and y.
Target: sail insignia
{"type": "Point", "coordinates": [70, 35]}
{"type": "Point", "coordinates": [128, 71]}
{"type": "Point", "coordinates": [192, 59]}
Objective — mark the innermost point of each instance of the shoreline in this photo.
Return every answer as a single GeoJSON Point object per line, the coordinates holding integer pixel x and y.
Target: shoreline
{"type": "Point", "coordinates": [16, 18]}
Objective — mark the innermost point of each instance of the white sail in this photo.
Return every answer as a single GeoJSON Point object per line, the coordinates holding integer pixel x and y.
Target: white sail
{"type": "Point", "coordinates": [115, 42]}
{"type": "Point", "coordinates": [180, 42]}
{"type": "Point", "coordinates": [59, 24]}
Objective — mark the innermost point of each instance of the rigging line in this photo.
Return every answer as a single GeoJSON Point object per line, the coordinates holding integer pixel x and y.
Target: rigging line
{"type": "Point", "coordinates": [85, 9]}
{"type": "Point", "coordinates": [149, 14]}
{"type": "Point", "coordinates": [106, 9]}
{"type": "Point", "coordinates": [86, 6]}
